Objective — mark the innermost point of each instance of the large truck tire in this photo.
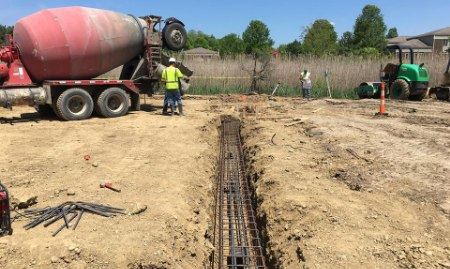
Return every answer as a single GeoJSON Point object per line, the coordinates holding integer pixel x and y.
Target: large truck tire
{"type": "Point", "coordinates": [113, 102]}
{"type": "Point", "coordinates": [400, 90]}
{"type": "Point", "coordinates": [175, 36]}
{"type": "Point", "coordinates": [74, 104]}
{"type": "Point", "coordinates": [45, 110]}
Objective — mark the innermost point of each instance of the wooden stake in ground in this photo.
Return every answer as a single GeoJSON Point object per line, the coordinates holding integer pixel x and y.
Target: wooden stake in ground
{"type": "Point", "coordinates": [328, 83]}
{"type": "Point", "coordinates": [275, 90]}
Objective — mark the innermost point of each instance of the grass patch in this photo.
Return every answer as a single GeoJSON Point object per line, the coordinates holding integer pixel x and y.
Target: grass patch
{"type": "Point", "coordinates": [283, 91]}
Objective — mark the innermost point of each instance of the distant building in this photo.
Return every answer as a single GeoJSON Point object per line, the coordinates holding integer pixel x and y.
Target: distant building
{"type": "Point", "coordinates": [276, 54]}
{"type": "Point", "coordinates": [201, 53]}
{"type": "Point", "coordinates": [431, 42]}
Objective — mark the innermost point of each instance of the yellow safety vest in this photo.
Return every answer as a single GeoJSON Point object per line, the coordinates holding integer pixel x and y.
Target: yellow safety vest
{"type": "Point", "coordinates": [171, 76]}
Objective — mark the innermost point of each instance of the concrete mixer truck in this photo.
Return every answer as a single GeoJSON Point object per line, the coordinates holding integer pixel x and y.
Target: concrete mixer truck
{"type": "Point", "coordinates": [54, 56]}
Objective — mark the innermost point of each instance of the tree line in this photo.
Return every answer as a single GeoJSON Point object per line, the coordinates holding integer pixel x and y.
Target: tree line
{"type": "Point", "coordinates": [369, 37]}
{"type": "Point", "coordinates": [5, 30]}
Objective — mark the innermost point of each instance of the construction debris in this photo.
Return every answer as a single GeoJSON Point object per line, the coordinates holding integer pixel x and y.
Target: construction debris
{"type": "Point", "coordinates": [108, 185]}
{"type": "Point", "coordinates": [137, 209]}
{"type": "Point", "coordinates": [68, 211]}
{"type": "Point", "coordinates": [23, 202]}
{"type": "Point", "coordinates": [5, 215]}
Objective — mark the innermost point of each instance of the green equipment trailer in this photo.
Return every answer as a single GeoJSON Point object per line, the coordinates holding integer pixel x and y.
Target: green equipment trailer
{"type": "Point", "coordinates": [368, 90]}
{"type": "Point", "coordinates": [403, 81]}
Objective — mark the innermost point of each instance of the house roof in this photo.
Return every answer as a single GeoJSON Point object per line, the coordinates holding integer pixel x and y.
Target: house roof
{"type": "Point", "coordinates": [398, 40]}
{"type": "Point", "coordinates": [416, 44]}
{"type": "Point", "coordinates": [201, 51]}
{"type": "Point", "coordinates": [440, 32]}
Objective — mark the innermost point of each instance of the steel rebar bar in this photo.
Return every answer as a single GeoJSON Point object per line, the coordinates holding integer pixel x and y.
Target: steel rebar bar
{"type": "Point", "coordinates": [67, 211]}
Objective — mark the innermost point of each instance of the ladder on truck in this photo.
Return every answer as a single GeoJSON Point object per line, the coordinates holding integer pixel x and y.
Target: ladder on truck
{"type": "Point", "coordinates": [154, 57]}
{"type": "Point", "coordinates": [153, 44]}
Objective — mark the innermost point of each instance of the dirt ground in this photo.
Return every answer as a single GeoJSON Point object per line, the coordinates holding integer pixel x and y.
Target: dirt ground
{"type": "Point", "coordinates": [160, 162]}
{"type": "Point", "coordinates": [340, 188]}
{"type": "Point", "coordinates": [336, 186]}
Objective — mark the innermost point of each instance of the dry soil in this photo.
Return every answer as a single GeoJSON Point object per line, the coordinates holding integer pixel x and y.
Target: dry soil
{"type": "Point", "coordinates": [336, 187]}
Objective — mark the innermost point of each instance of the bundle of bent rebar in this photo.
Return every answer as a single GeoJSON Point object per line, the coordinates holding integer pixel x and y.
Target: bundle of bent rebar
{"type": "Point", "coordinates": [68, 212]}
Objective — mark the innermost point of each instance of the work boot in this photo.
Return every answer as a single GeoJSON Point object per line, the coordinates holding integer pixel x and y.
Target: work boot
{"type": "Point", "coordinates": [172, 110]}
{"type": "Point", "coordinates": [180, 110]}
{"type": "Point", "coordinates": [164, 111]}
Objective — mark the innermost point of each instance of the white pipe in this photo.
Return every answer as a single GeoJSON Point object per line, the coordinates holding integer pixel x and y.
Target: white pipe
{"type": "Point", "coordinates": [21, 96]}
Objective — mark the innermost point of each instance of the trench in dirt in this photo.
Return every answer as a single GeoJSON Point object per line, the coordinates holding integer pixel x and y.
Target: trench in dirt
{"type": "Point", "coordinates": [240, 238]}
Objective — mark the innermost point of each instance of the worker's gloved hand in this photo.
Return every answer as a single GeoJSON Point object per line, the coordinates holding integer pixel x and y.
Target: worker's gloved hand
{"type": "Point", "coordinates": [187, 80]}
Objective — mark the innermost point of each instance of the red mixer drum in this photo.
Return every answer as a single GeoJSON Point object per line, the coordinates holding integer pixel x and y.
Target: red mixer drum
{"type": "Point", "coordinates": [77, 42]}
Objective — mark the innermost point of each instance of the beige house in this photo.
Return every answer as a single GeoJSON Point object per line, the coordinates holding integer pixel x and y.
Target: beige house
{"type": "Point", "coordinates": [431, 42]}
{"type": "Point", "coordinates": [201, 53]}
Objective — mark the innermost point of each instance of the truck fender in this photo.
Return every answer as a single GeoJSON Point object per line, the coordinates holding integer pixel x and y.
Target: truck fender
{"type": "Point", "coordinates": [172, 20]}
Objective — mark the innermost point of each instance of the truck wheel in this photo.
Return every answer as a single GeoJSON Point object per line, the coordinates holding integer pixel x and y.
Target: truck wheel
{"type": "Point", "coordinates": [74, 104]}
{"type": "Point", "coordinates": [45, 110]}
{"type": "Point", "coordinates": [400, 90]}
{"type": "Point", "coordinates": [175, 36]}
{"type": "Point", "coordinates": [112, 103]}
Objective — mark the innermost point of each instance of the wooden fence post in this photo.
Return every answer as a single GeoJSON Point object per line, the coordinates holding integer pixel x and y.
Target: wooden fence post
{"type": "Point", "coordinates": [328, 83]}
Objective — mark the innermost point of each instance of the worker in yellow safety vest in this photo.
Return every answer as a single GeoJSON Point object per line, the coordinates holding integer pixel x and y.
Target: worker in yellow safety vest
{"type": "Point", "coordinates": [171, 78]}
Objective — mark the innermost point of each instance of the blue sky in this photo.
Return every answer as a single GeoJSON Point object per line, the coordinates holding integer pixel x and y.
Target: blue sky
{"type": "Point", "coordinates": [285, 18]}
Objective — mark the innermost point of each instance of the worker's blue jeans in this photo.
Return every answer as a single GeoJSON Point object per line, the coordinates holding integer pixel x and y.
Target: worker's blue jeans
{"type": "Point", "coordinates": [306, 93]}
{"type": "Point", "coordinates": [172, 98]}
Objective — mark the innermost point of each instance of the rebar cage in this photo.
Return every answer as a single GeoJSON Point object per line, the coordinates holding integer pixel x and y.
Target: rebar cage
{"type": "Point", "coordinates": [236, 236]}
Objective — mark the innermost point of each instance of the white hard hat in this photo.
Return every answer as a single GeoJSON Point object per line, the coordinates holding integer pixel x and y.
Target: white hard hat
{"type": "Point", "coordinates": [172, 60]}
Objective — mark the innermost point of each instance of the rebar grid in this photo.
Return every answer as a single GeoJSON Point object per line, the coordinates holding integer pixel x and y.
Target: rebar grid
{"type": "Point", "coordinates": [236, 236]}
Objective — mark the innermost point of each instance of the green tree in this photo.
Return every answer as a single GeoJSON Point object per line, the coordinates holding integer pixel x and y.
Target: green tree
{"type": "Point", "coordinates": [368, 52]}
{"type": "Point", "coordinates": [232, 45]}
{"type": "Point", "coordinates": [320, 38]}
{"type": "Point", "coordinates": [392, 33]}
{"type": "Point", "coordinates": [345, 44]}
{"type": "Point", "coordinates": [294, 48]}
{"type": "Point", "coordinates": [201, 42]}
{"type": "Point", "coordinates": [198, 39]}
{"type": "Point", "coordinates": [214, 43]}
{"type": "Point", "coordinates": [5, 30]}
{"type": "Point", "coordinates": [257, 39]}
{"type": "Point", "coordinates": [370, 29]}
{"type": "Point", "coordinates": [283, 49]}
{"type": "Point", "coordinates": [258, 43]}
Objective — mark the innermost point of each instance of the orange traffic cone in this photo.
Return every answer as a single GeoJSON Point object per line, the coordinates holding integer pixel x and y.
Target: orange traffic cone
{"type": "Point", "coordinates": [382, 111]}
